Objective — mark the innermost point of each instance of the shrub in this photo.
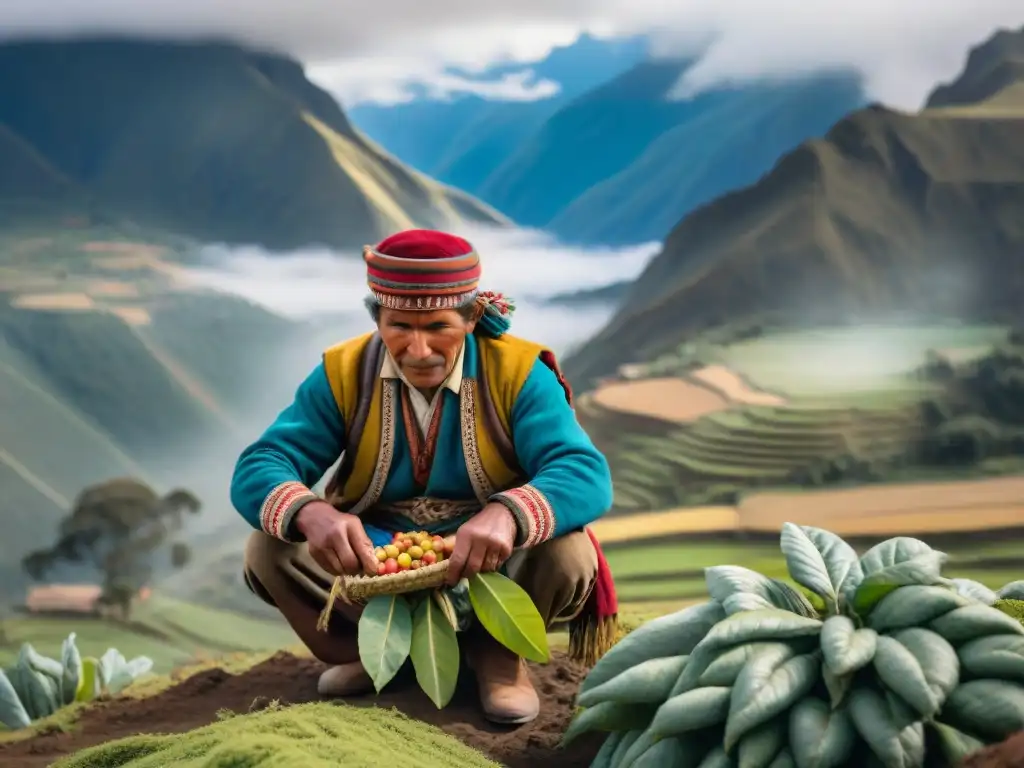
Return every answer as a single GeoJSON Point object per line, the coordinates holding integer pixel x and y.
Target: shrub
{"type": "Point", "coordinates": [878, 661]}
{"type": "Point", "coordinates": [35, 686]}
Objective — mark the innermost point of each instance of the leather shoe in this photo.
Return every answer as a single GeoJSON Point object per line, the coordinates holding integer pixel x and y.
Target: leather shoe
{"type": "Point", "coordinates": [506, 693]}
{"type": "Point", "coordinates": [344, 680]}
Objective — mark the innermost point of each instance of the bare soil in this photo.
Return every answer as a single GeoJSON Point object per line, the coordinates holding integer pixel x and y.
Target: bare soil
{"type": "Point", "coordinates": [289, 679]}
{"type": "Point", "coordinates": [670, 399]}
{"type": "Point", "coordinates": [890, 510]}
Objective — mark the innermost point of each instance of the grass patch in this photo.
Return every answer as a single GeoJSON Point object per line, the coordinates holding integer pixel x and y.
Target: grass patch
{"type": "Point", "coordinates": [303, 736]}
{"type": "Point", "coordinates": [840, 363]}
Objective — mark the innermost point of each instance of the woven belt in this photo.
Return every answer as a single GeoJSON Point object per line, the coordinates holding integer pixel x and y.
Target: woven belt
{"type": "Point", "coordinates": [424, 510]}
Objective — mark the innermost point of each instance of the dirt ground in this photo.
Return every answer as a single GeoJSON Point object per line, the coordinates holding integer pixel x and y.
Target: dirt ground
{"type": "Point", "coordinates": [670, 399]}
{"type": "Point", "coordinates": [1009, 754]}
{"type": "Point", "coordinates": [292, 680]}
{"type": "Point", "coordinates": [892, 509]}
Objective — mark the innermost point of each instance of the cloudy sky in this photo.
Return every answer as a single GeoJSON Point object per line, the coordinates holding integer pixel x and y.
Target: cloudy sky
{"type": "Point", "coordinates": [374, 49]}
{"type": "Point", "coordinates": [317, 282]}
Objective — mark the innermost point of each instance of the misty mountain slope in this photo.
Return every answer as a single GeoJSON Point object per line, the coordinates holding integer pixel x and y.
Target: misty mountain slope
{"type": "Point", "coordinates": [28, 176]}
{"type": "Point", "coordinates": [622, 163]}
{"type": "Point", "coordinates": [461, 139]}
{"type": "Point", "coordinates": [890, 212]}
{"type": "Point", "coordinates": [993, 75]}
{"type": "Point", "coordinates": [112, 364]}
{"type": "Point", "coordinates": [644, 201]}
{"type": "Point", "coordinates": [211, 141]}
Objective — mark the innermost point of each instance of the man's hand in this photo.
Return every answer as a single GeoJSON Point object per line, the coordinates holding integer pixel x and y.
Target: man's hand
{"type": "Point", "coordinates": [482, 543]}
{"type": "Point", "coordinates": [337, 540]}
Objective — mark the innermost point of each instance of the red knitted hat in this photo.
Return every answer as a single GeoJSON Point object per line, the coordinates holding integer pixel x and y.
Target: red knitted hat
{"type": "Point", "coordinates": [422, 269]}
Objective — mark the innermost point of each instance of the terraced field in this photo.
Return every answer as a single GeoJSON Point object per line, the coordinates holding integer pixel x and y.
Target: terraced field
{"type": "Point", "coordinates": [768, 412]}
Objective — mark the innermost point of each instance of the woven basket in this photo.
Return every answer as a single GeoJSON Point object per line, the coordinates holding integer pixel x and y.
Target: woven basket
{"type": "Point", "coordinates": [363, 587]}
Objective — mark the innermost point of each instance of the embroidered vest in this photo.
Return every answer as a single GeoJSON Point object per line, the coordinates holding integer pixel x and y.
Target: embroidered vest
{"type": "Point", "coordinates": [370, 405]}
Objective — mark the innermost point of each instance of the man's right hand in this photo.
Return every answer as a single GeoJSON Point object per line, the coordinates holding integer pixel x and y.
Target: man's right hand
{"type": "Point", "coordinates": [337, 540]}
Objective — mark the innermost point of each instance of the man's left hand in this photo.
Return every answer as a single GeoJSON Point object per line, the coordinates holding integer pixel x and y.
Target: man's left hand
{"type": "Point", "coordinates": [482, 543]}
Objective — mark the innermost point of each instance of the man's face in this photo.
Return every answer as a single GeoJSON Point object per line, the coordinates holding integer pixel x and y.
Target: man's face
{"type": "Point", "coordinates": [424, 344]}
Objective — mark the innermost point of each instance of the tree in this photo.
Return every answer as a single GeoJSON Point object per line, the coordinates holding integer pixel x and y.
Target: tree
{"type": "Point", "coordinates": [120, 527]}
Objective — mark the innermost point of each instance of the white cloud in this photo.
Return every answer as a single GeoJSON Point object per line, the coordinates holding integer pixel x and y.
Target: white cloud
{"type": "Point", "coordinates": [903, 47]}
{"type": "Point", "coordinates": [387, 82]}
{"type": "Point", "coordinates": [526, 265]}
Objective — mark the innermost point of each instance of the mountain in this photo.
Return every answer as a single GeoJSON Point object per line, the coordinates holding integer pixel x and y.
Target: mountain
{"type": "Point", "coordinates": [207, 140]}
{"type": "Point", "coordinates": [112, 364]}
{"type": "Point", "coordinates": [621, 164]}
{"type": "Point", "coordinates": [889, 212]}
{"type": "Point", "coordinates": [461, 139]}
{"type": "Point", "coordinates": [118, 160]}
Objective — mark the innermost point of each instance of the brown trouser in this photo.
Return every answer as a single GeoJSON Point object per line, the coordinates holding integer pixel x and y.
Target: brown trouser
{"type": "Point", "coordinates": [558, 575]}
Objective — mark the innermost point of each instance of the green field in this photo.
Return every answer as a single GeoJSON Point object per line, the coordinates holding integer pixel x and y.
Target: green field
{"type": "Point", "coordinates": [850, 393]}
{"type": "Point", "coordinates": [843, 364]}
{"type": "Point", "coordinates": [168, 631]}
{"type": "Point", "coordinates": [653, 575]}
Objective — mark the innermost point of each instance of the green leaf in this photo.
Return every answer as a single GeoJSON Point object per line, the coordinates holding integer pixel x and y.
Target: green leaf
{"type": "Point", "coordinates": [12, 711]}
{"type": "Point", "coordinates": [751, 626]}
{"type": "Point", "coordinates": [603, 758]}
{"type": "Point", "coordinates": [435, 653]}
{"type": "Point", "coordinates": [955, 745]}
{"type": "Point", "coordinates": [818, 736]}
{"type": "Point", "coordinates": [999, 657]}
{"type": "Point", "coordinates": [726, 668]}
{"type": "Point", "coordinates": [509, 615]}
{"type": "Point", "coordinates": [913, 606]}
{"type": "Point", "coordinates": [741, 589]}
{"type": "Point", "coordinates": [608, 716]}
{"type": "Point", "coordinates": [385, 637]}
{"type": "Point", "coordinates": [892, 552]}
{"type": "Point", "coordinates": [972, 621]}
{"type": "Point", "coordinates": [691, 711]}
{"type": "Point", "coordinates": [836, 685]}
{"type": "Point", "coordinates": [820, 561]}
{"type": "Point", "coordinates": [900, 672]}
{"type": "Point", "coordinates": [769, 685]}
{"type": "Point", "coordinates": [646, 683]}
{"type": "Point", "coordinates": [628, 739]}
{"type": "Point", "coordinates": [666, 752]}
{"type": "Point", "coordinates": [923, 570]}
{"type": "Point", "coordinates": [90, 685]}
{"type": "Point", "coordinates": [35, 692]}
{"type": "Point", "coordinates": [992, 709]}
{"type": "Point", "coordinates": [873, 721]}
{"type": "Point", "coordinates": [71, 669]}
{"type": "Point", "coordinates": [767, 624]}
{"type": "Point", "coordinates": [118, 673]}
{"type": "Point", "coordinates": [762, 745]}
{"type": "Point", "coordinates": [671, 635]}
{"type": "Point", "coordinates": [784, 760]}
{"type": "Point", "coordinates": [716, 758]}
{"type": "Point", "coordinates": [975, 590]}
{"type": "Point", "coordinates": [41, 663]}
{"type": "Point", "coordinates": [846, 648]}
{"type": "Point", "coordinates": [936, 658]}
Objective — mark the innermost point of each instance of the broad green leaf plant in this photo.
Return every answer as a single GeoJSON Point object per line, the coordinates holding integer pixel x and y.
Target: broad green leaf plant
{"type": "Point", "coordinates": [877, 660]}
{"type": "Point", "coordinates": [423, 627]}
{"type": "Point", "coordinates": [35, 686]}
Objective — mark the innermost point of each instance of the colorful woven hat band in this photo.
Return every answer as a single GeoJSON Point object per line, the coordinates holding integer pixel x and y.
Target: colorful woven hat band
{"type": "Point", "coordinates": [434, 275]}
